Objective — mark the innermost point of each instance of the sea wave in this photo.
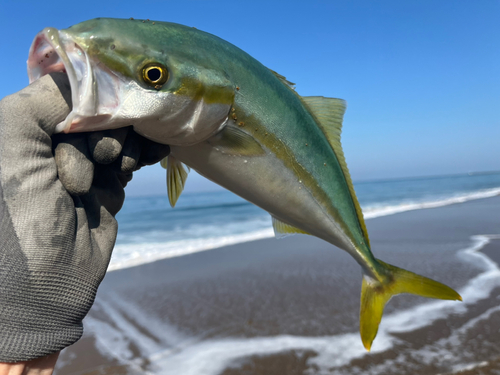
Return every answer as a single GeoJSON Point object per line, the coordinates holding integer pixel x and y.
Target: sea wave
{"type": "Point", "coordinates": [141, 252]}
{"type": "Point", "coordinates": [135, 254]}
{"type": "Point", "coordinates": [373, 211]}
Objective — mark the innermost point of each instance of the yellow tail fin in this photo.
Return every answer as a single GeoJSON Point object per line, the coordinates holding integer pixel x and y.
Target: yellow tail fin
{"type": "Point", "coordinates": [375, 294]}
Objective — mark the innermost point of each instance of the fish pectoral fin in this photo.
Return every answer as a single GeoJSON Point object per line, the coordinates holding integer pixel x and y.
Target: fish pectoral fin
{"type": "Point", "coordinates": [177, 174]}
{"type": "Point", "coordinates": [234, 141]}
{"type": "Point", "coordinates": [375, 294]}
{"type": "Point", "coordinates": [282, 229]}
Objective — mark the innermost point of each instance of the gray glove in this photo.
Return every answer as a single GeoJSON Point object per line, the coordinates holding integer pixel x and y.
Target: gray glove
{"type": "Point", "coordinates": [55, 247]}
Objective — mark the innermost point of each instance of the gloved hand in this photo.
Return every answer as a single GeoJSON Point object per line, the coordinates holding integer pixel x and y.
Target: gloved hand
{"type": "Point", "coordinates": [55, 247]}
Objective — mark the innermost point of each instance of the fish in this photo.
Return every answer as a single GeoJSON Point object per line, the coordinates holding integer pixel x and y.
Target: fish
{"type": "Point", "coordinates": [234, 121]}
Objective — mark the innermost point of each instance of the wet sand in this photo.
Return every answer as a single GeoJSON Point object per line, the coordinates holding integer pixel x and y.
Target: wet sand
{"type": "Point", "coordinates": [300, 286]}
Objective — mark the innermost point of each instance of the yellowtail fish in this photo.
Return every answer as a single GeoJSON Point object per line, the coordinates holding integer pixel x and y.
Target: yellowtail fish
{"type": "Point", "coordinates": [234, 121]}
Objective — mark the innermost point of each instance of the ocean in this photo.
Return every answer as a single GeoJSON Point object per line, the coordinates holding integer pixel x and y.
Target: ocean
{"type": "Point", "coordinates": [291, 306]}
{"type": "Point", "coordinates": [149, 229]}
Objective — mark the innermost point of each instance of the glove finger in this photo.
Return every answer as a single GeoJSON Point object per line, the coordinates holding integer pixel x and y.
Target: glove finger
{"type": "Point", "coordinates": [96, 234]}
{"type": "Point", "coordinates": [131, 152]}
{"type": "Point", "coordinates": [108, 188]}
{"type": "Point", "coordinates": [74, 167]}
{"type": "Point", "coordinates": [124, 178]}
{"type": "Point", "coordinates": [62, 82]}
{"type": "Point", "coordinates": [153, 152]}
{"type": "Point", "coordinates": [105, 146]}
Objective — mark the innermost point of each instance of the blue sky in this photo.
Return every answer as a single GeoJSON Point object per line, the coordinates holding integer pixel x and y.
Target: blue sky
{"type": "Point", "coordinates": [421, 78]}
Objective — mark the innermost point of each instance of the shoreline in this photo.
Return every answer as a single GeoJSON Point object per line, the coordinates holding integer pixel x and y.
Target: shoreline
{"type": "Point", "coordinates": [151, 254]}
{"type": "Point", "coordinates": [292, 304]}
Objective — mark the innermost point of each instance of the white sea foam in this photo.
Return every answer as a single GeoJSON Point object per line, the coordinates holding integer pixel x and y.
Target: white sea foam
{"type": "Point", "coordinates": [134, 254]}
{"type": "Point", "coordinates": [132, 328]}
{"type": "Point", "coordinates": [374, 211]}
{"type": "Point", "coordinates": [211, 357]}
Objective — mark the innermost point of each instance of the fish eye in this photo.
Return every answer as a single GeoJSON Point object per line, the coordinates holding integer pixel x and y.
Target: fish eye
{"type": "Point", "coordinates": [155, 74]}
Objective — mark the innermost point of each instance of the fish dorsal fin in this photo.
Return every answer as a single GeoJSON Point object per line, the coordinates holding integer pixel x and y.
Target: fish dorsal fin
{"type": "Point", "coordinates": [283, 79]}
{"type": "Point", "coordinates": [329, 113]}
{"type": "Point", "coordinates": [176, 178]}
{"type": "Point", "coordinates": [282, 229]}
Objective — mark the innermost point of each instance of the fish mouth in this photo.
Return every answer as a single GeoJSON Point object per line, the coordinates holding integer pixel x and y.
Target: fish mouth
{"type": "Point", "coordinates": [93, 90]}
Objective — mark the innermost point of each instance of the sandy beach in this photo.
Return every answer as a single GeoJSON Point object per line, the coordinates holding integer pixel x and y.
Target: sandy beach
{"type": "Point", "coordinates": [291, 306]}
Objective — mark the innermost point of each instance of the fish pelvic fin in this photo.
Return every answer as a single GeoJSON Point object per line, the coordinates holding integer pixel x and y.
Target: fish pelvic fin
{"type": "Point", "coordinates": [176, 177]}
{"type": "Point", "coordinates": [375, 294]}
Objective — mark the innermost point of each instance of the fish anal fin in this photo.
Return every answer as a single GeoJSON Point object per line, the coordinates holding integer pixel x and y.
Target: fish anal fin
{"type": "Point", "coordinates": [375, 294]}
{"type": "Point", "coordinates": [329, 114]}
{"type": "Point", "coordinates": [282, 229]}
{"type": "Point", "coordinates": [234, 141]}
{"type": "Point", "coordinates": [177, 174]}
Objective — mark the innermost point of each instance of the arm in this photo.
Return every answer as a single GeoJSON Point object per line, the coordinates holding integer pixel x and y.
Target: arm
{"type": "Point", "coordinates": [54, 246]}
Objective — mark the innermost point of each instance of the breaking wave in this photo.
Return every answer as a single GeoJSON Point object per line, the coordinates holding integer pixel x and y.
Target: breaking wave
{"type": "Point", "coordinates": [153, 245]}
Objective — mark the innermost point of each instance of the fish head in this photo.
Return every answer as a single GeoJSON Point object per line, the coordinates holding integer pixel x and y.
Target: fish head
{"type": "Point", "coordinates": [160, 77]}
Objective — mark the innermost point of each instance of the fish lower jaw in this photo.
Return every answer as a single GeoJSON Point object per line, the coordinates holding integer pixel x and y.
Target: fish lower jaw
{"type": "Point", "coordinates": [75, 124]}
